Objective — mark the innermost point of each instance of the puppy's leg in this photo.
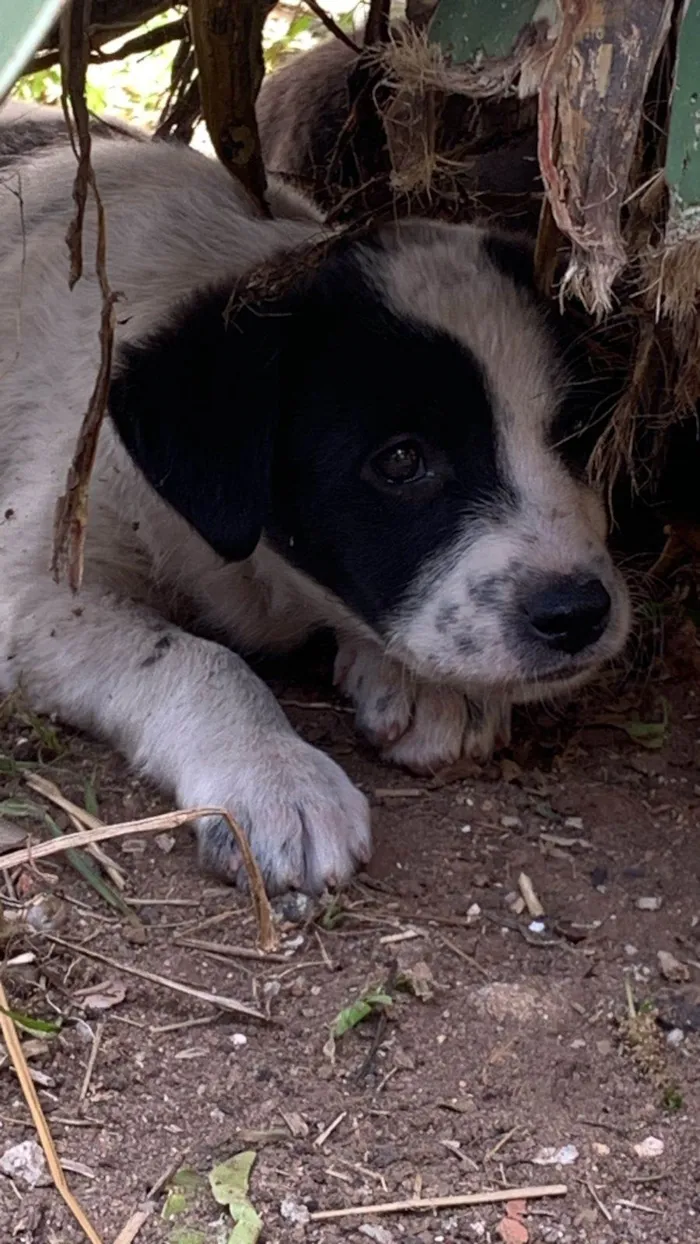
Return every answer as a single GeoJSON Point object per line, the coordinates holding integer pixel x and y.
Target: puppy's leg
{"type": "Point", "coordinates": [192, 716]}
{"type": "Point", "coordinates": [416, 724]}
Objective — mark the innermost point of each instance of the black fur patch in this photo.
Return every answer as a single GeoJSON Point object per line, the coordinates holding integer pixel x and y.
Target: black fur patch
{"type": "Point", "coordinates": [513, 256]}
{"type": "Point", "coordinates": [269, 424]}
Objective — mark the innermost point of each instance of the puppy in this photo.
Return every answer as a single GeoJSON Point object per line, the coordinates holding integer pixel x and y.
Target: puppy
{"type": "Point", "coordinates": [27, 127]}
{"type": "Point", "coordinates": [378, 450]}
{"type": "Point", "coordinates": [320, 124]}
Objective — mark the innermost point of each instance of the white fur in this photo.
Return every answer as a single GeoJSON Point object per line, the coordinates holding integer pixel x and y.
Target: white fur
{"type": "Point", "coordinates": [120, 659]}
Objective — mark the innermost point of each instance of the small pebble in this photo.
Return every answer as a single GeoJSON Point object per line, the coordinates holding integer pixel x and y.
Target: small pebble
{"type": "Point", "coordinates": [295, 1212]}
{"type": "Point", "coordinates": [26, 1163]}
{"type": "Point", "coordinates": [238, 1038]}
{"type": "Point", "coordinates": [556, 1157]}
{"type": "Point", "coordinates": [650, 1147]}
{"type": "Point", "coordinates": [651, 903]}
{"type": "Point", "coordinates": [574, 822]}
{"type": "Point", "coordinates": [675, 1036]}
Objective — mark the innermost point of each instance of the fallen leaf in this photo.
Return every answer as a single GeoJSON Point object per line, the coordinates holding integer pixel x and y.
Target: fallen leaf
{"type": "Point", "coordinates": [11, 836]}
{"type": "Point", "coordinates": [104, 996]}
{"type": "Point", "coordinates": [229, 1185]}
{"type": "Point", "coordinates": [32, 1025]}
{"type": "Point", "coordinates": [359, 1011]}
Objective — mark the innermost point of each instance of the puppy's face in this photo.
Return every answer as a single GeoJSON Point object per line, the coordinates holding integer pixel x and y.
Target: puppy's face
{"type": "Point", "coordinates": [419, 472]}
{"type": "Point", "coordinates": [413, 465]}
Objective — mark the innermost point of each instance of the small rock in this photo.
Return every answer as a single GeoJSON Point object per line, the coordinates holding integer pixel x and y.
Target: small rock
{"type": "Point", "coordinates": [600, 1150]}
{"type": "Point", "coordinates": [133, 846]}
{"type": "Point", "coordinates": [650, 1147]}
{"type": "Point", "coordinates": [649, 903]}
{"type": "Point", "coordinates": [296, 907]}
{"type": "Point", "coordinates": [556, 1157]}
{"type": "Point", "coordinates": [511, 822]}
{"type": "Point", "coordinates": [672, 968]}
{"type": "Point", "coordinates": [473, 912]}
{"type": "Point", "coordinates": [375, 1231]}
{"type": "Point", "coordinates": [675, 1036]}
{"type": "Point", "coordinates": [574, 822]}
{"type": "Point", "coordinates": [517, 1002]}
{"type": "Point", "coordinates": [165, 842]}
{"type": "Point", "coordinates": [295, 1212]}
{"type": "Point", "coordinates": [537, 926]}
{"type": "Point", "coordinates": [630, 950]}
{"type": "Point", "coordinates": [238, 1039]}
{"type": "Point", "coordinates": [25, 1162]}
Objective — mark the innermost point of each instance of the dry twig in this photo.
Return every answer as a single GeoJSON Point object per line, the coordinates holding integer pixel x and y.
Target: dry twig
{"type": "Point", "coordinates": [153, 824]}
{"type": "Point", "coordinates": [202, 995]}
{"type": "Point", "coordinates": [14, 1049]}
{"type": "Point", "coordinates": [70, 522]}
{"type": "Point", "coordinates": [443, 1202]}
{"type": "Point", "coordinates": [80, 818]}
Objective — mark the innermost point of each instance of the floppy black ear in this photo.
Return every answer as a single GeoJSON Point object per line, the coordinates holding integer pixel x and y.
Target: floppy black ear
{"type": "Point", "coordinates": [196, 406]}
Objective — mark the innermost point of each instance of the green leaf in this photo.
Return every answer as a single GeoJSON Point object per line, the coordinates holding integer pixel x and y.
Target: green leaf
{"type": "Point", "coordinates": [82, 865]}
{"type": "Point", "coordinates": [90, 797]}
{"type": "Point", "coordinates": [19, 808]}
{"type": "Point", "coordinates": [32, 1025]}
{"type": "Point", "coordinates": [229, 1185]}
{"type": "Point", "coordinates": [359, 1011]}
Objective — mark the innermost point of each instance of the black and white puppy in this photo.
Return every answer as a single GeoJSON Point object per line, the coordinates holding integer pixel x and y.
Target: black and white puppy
{"type": "Point", "coordinates": [378, 451]}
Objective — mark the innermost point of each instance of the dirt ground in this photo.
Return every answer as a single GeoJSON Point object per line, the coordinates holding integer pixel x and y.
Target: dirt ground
{"type": "Point", "coordinates": [569, 1031]}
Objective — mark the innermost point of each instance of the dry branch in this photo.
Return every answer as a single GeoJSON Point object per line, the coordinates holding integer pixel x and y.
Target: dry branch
{"type": "Point", "coordinates": [19, 1062]}
{"type": "Point", "coordinates": [154, 824]}
{"type": "Point", "coordinates": [70, 521]}
{"type": "Point", "coordinates": [228, 46]}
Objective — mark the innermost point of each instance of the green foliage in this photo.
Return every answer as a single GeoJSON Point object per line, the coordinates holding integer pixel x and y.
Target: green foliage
{"type": "Point", "coordinates": [134, 89]}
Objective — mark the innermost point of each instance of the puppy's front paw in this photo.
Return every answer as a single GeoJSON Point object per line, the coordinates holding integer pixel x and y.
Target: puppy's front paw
{"type": "Point", "coordinates": [307, 825]}
{"type": "Point", "coordinates": [418, 725]}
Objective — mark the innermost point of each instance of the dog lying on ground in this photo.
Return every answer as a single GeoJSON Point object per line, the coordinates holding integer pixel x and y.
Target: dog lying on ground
{"type": "Point", "coordinates": [379, 451]}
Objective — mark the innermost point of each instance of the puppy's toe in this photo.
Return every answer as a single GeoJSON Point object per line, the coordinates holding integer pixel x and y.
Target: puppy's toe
{"type": "Point", "coordinates": [380, 689]}
{"type": "Point", "coordinates": [488, 728]}
{"type": "Point", "coordinates": [436, 735]}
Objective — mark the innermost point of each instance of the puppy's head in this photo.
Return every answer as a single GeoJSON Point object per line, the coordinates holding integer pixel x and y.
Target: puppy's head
{"type": "Point", "coordinates": [393, 425]}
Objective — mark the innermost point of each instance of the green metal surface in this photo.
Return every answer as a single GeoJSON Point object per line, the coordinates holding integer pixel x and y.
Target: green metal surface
{"type": "Point", "coordinates": [23, 24]}
{"type": "Point", "coordinates": [468, 28]}
{"type": "Point", "coordinates": [683, 155]}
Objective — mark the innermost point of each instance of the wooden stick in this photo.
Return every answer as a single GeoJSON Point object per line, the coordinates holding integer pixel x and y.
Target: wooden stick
{"type": "Point", "coordinates": [443, 1202]}
{"type": "Point", "coordinates": [14, 1049]}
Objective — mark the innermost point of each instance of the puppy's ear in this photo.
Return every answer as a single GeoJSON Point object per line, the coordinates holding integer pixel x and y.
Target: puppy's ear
{"type": "Point", "coordinates": [196, 406]}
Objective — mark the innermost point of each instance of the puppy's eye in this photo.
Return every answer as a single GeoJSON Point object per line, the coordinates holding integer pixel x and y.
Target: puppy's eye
{"type": "Point", "coordinates": [400, 463]}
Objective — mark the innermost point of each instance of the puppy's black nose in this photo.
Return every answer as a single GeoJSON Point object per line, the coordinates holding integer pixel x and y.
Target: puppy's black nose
{"type": "Point", "coordinates": [569, 613]}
